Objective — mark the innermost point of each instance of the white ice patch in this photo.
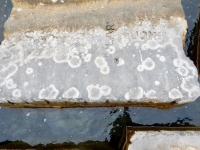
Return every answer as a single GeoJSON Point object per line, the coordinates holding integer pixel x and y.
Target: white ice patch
{"type": "Point", "coordinates": [157, 82]}
{"type": "Point", "coordinates": [144, 47]}
{"type": "Point", "coordinates": [10, 84]}
{"type": "Point", "coordinates": [74, 62]}
{"type": "Point", "coordinates": [6, 73]}
{"type": "Point", "coordinates": [87, 57]}
{"type": "Point", "coordinates": [177, 62]}
{"type": "Point", "coordinates": [106, 90]}
{"type": "Point", "coordinates": [71, 93]}
{"type": "Point", "coordinates": [49, 93]}
{"type": "Point", "coordinates": [39, 64]}
{"type": "Point", "coordinates": [120, 62]}
{"type": "Point", "coordinates": [94, 92]}
{"type": "Point", "coordinates": [54, 1]}
{"type": "Point", "coordinates": [16, 93]}
{"type": "Point", "coordinates": [162, 59]}
{"type": "Point", "coordinates": [151, 94]}
{"type": "Point", "coordinates": [148, 64]}
{"type": "Point", "coordinates": [157, 55]}
{"type": "Point", "coordinates": [135, 93]}
{"type": "Point", "coordinates": [111, 50]}
{"type": "Point", "coordinates": [105, 70]}
{"type": "Point", "coordinates": [152, 44]}
{"type": "Point", "coordinates": [140, 68]}
{"type": "Point", "coordinates": [28, 114]}
{"type": "Point", "coordinates": [183, 71]}
{"type": "Point", "coordinates": [123, 42]}
{"type": "Point", "coordinates": [29, 70]}
{"type": "Point", "coordinates": [137, 45]}
{"type": "Point", "coordinates": [100, 62]}
{"type": "Point", "coordinates": [175, 94]}
{"type": "Point", "coordinates": [25, 84]}
{"type": "Point", "coordinates": [188, 86]}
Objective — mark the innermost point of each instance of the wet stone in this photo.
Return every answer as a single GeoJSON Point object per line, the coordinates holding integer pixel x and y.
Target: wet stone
{"type": "Point", "coordinates": [96, 52]}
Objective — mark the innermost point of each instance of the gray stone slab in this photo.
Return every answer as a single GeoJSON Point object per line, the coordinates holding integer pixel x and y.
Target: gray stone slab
{"type": "Point", "coordinates": [162, 138]}
{"type": "Point", "coordinates": [94, 52]}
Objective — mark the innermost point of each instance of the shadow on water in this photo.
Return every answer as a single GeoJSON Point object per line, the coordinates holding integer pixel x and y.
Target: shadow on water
{"type": "Point", "coordinates": [193, 43]}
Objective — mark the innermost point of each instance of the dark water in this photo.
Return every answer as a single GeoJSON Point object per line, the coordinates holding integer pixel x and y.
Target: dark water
{"type": "Point", "coordinates": [93, 128]}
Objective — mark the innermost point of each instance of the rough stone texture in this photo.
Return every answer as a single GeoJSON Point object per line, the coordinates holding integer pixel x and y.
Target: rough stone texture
{"type": "Point", "coordinates": [98, 52]}
{"type": "Point", "coordinates": [164, 139]}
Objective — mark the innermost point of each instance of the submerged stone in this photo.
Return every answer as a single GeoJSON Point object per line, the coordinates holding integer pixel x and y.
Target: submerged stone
{"type": "Point", "coordinates": [96, 53]}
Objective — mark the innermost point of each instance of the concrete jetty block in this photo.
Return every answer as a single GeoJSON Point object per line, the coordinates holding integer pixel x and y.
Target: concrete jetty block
{"type": "Point", "coordinates": [66, 53]}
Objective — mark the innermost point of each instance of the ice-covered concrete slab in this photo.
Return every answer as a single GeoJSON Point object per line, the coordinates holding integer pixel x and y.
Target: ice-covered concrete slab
{"type": "Point", "coordinates": [96, 53]}
{"type": "Point", "coordinates": [153, 138]}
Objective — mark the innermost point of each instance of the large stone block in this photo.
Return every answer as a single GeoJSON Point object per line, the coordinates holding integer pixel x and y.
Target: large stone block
{"type": "Point", "coordinates": [96, 53]}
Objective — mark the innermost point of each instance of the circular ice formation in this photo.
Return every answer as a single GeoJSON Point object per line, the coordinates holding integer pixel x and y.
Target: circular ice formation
{"type": "Point", "coordinates": [157, 55]}
{"type": "Point", "coordinates": [39, 64]}
{"type": "Point", "coordinates": [10, 84]}
{"type": "Point", "coordinates": [148, 64]}
{"type": "Point", "coordinates": [25, 84]}
{"type": "Point", "coordinates": [120, 62]}
{"type": "Point", "coordinates": [87, 58]}
{"type": "Point", "coordinates": [16, 93]}
{"type": "Point", "coordinates": [106, 90]}
{"type": "Point", "coordinates": [177, 62]}
{"type": "Point", "coordinates": [111, 50]}
{"type": "Point", "coordinates": [152, 44]}
{"type": "Point", "coordinates": [100, 62]}
{"type": "Point", "coordinates": [157, 82]}
{"type": "Point", "coordinates": [140, 68]}
{"type": "Point", "coordinates": [71, 93]}
{"type": "Point", "coordinates": [29, 70]}
{"type": "Point", "coordinates": [74, 62]}
{"type": "Point", "coordinates": [94, 92]}
{"type": "Point", "coordinates": [183, 71]}
{"type": "Point", "coordinates": [175, 94]}
{"type": "Point", "coordinates": [105, 70]}
{"type": "Point", "coordinates": [150, 94]}
{"type": "Point", "coordinates": [61, 57]}
{"type": "Point", "coordinates": [123, 43]}
{"type": "Point", "coordinates": [144, 47]}
{"type": "Point", "coordinates": [48, 93]}
{"type": "Point", "coordinates": [194, 92]}
{"type": "Point", "coordinates": [137, 44]}
{"type": "Point", "coordinates": [186, 84]}
{"type": "Point", "coordinates": [136, 93]}
{"type": "Point", "coordinates": [162, 58]}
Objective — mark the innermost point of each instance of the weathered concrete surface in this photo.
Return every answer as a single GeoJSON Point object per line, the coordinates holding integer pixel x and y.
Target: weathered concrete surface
{"type": "Point", "coordinates": [162, 138]}
{"type": "Point", "coordinates": [96, 53]}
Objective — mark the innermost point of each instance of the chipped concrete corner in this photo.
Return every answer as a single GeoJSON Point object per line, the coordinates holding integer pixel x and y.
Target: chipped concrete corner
{"type": "Point", "coordinates": [162, 138]}
{"type": "Point", "coordinates": [96, 53]}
